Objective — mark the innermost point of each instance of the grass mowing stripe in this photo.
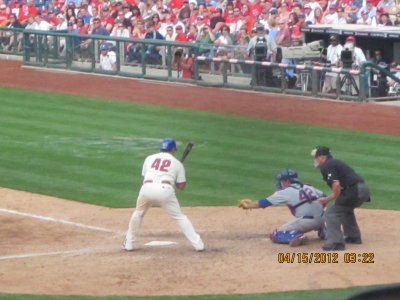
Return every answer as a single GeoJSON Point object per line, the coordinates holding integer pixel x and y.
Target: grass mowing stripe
{"type": "Point", "coordinates": [233, 155]}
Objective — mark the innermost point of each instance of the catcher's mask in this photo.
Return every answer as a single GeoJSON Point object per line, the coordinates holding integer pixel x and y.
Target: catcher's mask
{"type": "Point", "coordinates": [287, 174]}
{"type": "Point", "coordinates": [167, 144]}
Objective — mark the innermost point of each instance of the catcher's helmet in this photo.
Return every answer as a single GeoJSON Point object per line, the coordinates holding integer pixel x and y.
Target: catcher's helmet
{"type": "Point", "coordinates": [287, 174]}
{"type": "Point", "coordinates": [167, 144]}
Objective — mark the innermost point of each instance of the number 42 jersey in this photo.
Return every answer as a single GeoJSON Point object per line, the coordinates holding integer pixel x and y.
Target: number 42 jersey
{"type": "Point", "coordinates": [300, 199]}
{"type": "Point", "coordinates": [163, 166]}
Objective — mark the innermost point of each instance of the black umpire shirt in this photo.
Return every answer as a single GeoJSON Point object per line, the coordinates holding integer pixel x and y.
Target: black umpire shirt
{"type": "Point", "coordinates": [336, 170]}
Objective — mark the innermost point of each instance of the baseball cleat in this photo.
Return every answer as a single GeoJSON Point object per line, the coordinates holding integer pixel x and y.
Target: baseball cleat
{"type": "Point", "coordinates": [298, 241]}
{"type": "Point", "coordinates": [128, 246]}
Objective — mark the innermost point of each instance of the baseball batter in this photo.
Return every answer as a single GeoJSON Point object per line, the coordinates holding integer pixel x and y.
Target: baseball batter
{"type": "Point", "coordinates": [300, 199]}
{"type": "Point", "coordinates": [161, 172]}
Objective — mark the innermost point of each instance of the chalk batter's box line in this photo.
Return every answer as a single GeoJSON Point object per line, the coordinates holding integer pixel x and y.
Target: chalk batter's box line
{"type": "Point", "coordinates": [11, 211]}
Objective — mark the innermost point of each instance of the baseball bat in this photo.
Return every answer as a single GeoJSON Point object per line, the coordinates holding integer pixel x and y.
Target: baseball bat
{"type": "Point", "coordinates": [187, 150]}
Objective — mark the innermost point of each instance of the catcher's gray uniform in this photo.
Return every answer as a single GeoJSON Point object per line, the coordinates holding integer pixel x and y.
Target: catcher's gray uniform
{"type": "Point", "coordinates": [300, 200]}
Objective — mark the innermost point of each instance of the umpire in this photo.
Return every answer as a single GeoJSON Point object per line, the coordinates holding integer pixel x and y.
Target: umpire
{"type": "Point", "coordinates": [349, 191]}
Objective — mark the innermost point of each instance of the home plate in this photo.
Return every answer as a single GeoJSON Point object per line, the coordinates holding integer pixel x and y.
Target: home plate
{"type": "Point", "coordinates": [160, 243]}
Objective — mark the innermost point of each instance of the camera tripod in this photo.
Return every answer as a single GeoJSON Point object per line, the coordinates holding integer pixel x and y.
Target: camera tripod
{"type": "Point", "coordinates": [349, 83]}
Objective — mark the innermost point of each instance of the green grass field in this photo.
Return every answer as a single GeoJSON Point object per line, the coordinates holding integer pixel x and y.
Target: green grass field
{"type": "Point", "coordinates": [91, 150]}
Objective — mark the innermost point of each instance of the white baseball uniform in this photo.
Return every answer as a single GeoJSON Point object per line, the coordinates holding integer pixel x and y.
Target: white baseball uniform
{"type": "Point", "coordinates": [160, 173]}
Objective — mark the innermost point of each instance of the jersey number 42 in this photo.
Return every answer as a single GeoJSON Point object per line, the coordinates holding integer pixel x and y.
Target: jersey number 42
{"type": "Point", "coordinates": [161, 165]}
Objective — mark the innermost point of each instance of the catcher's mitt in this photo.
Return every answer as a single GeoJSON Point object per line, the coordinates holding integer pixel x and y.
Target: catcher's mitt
{"type": "Point", "coordinates": [244, 203]}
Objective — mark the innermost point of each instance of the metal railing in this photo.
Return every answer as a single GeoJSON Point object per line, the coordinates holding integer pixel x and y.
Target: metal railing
{"type": "Point", "coordinates": [57, 49]}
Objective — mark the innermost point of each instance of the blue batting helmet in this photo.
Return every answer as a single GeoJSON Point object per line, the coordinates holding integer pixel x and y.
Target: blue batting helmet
{"type": "Point", "coordinates": [167, 144]}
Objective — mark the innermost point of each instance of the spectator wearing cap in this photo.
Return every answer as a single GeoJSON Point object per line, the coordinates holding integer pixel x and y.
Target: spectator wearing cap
{"type": "Point", "coordinates": [302, 20]}
{"type": "Point", "coordinates": [369, 8]}
{"type": "Point", "coordinates": [384, 20]}
{"type": "Point", "coordinates": [106, 20]}
{"type": "Point", "coordinates": [330, 15]}
{"type": "Point", "coordinates": [62, 22]}
{"type": "Point", "coordinates": [270, 42]}
{"type": "Point", "coordinates": [180, 34]}
{"type": "Point", "coordinates": [332, 58]}
{"type": "Point", "coordinates": [108, 58]}
{"type": "Point", "coordinates": [309, 14]}
{"type": "Point", "coordinates": [365, 19]}
{"type": "Point", "coordinates": [216, 18]}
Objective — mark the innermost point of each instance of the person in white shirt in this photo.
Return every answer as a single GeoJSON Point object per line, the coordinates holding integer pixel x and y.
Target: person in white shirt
{"type": "Point", "coordinates": [330, 15]}
{"type": "Point", "coordinates": [161, 173]}
{"type": "Point", "coordinates": [108, 58]}
{"type": "Point", "coordinates": [333, 58]}
{"type": "Point", "coordinates": [41, 24]}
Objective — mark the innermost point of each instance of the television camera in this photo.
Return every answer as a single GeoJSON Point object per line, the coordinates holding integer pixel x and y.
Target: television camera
{"type": "Point", "coordinates": [347, 55]}
{"type": "Point", "coordinates": [309, 51]}
{"type": "Point", "coordinates": [260, 49]}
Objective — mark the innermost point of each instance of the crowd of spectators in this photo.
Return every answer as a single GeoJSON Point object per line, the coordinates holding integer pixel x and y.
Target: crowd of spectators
{"type": "Point", "coordinates": [227, 22]}
{"type": "Point", "coordinates": [217, 25]}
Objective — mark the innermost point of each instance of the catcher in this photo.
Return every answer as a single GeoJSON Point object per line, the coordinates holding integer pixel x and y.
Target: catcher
{"type": "Point", "coordinates": [300, 199]}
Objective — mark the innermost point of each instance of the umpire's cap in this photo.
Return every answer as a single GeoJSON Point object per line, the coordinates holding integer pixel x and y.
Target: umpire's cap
{"type": "Point", "coordinates": [167, 144]}
{"type": "Point", "coordinates": [288, 174]}
{"type": "Point", "coordinates": [321, 150]}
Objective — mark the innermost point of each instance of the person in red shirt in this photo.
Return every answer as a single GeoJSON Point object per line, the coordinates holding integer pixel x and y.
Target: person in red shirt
{"type": "Point", "coordinates": [107, 21]}
{"type": "Point", "coordinates": [175, 4]}
{"type": "Point", "coordinates": [180, 34]}
{"type": "Point", "coordinates": [3, 15]}
{"type": "Point", "coordinates": [183, 64]}
{"type": "Point", "coordinates": [26, 10]}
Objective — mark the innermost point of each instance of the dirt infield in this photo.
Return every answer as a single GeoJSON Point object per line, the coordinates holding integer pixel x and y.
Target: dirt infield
{"type": "Point", "coordinates": [77, 251]}
{"type": "Point", "coordinates": [55, 246]}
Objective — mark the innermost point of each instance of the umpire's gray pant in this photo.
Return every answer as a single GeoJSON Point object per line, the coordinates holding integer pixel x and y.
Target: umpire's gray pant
{"type": "Point", "coordinates": [342, 214]}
